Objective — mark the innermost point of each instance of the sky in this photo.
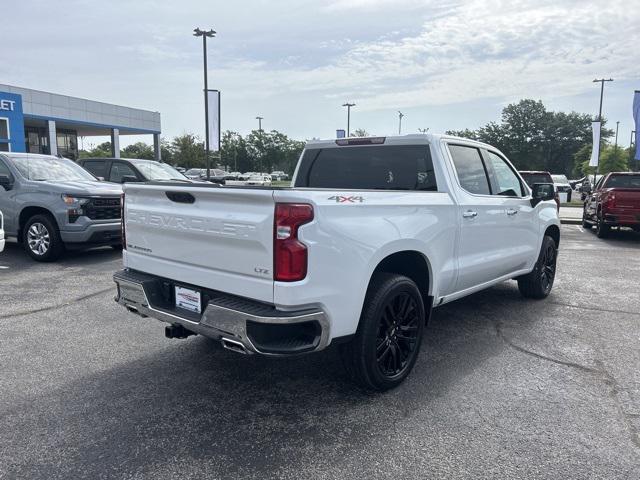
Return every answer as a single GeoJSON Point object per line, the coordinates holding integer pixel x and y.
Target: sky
{"type": "Point", "coordinates": [444, 64]}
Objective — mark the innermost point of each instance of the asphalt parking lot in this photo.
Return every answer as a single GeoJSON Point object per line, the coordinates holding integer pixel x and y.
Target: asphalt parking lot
{"type": "Point", "coordinates": [504, 387]}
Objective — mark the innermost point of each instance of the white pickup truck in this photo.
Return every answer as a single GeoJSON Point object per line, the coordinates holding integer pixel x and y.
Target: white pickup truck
{"type": "Point", "coordinates": [373, 234]}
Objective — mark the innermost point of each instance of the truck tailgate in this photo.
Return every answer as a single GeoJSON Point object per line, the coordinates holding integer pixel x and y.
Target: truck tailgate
{"type": "Point", "coordinates": [206, 236]}
{"type": "Point", "coordinates": [627, 198]}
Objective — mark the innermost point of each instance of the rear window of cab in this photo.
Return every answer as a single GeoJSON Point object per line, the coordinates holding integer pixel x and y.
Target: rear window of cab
{"type": "Point", "coordinates": [375, 167]}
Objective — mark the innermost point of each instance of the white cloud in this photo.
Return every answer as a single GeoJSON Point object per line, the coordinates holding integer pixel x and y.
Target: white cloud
{"type": "Point", "coordinates": [482, 49]}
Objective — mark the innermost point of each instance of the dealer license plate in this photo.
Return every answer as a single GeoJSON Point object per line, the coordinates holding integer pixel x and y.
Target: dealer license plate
{"type": "Point", "coordinates": [188, 299]}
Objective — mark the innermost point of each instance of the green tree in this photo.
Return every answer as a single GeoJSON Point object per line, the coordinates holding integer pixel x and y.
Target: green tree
{"type": "Point", "coordinates": [188, 151]}
{"type": "Point", "coordinates": [138, 150]}
{"type": "Point", "coordinates": [102, 150]}
{"type": "Point", "coordinates": [612, 159]}
{"type": "Point", "coordinates": [535, 138]}
{"type": "Point", "coordinates": [466, 133]}
{"type": "Point", "coordinates": [233, 152]}
{"type": "Point", "coordinates": [273, 151]}
{"type": "Point", "coordinates": [360, 132]}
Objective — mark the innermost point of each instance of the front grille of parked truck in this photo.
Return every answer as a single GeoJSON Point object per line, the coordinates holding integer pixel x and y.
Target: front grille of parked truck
{"type": "Point", "coordinates": [103, 208]}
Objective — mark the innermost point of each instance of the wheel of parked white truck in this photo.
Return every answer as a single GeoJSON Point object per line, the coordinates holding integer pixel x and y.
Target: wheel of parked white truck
{"type": "Point", "coordinates": [539, 282]}
{"type": "Point", "coordinates": [387, 342]}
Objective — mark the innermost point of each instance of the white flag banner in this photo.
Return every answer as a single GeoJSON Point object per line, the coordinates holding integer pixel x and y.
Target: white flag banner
{"type": "Point", "coordinates": [595, 149]}
{"type": "Point", "coordinates": [213, 101]}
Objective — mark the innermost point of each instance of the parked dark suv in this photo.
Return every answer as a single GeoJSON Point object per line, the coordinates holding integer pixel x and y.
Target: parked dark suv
{"type": "Point", "coordinates": [124, 170]}
{"type": "Point", "coordinates": [538, 176]}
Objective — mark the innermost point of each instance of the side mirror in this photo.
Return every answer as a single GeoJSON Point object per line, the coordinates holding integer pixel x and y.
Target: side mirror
{"type": "Point", "coordinates": [541, 192]}
{"type": "Point", "coordinates": [100, 179]}
{"type": "Point", "coordinates": [6, 182]}
{"type": "Point", "coordinates": [128, 179]}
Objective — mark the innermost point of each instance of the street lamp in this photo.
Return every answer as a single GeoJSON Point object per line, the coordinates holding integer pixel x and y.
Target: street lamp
{"type": "Point", "coordinates": [400, 115]}
{"type": "Point", "coordinates": [348, 105]}
{"type": "Point", "coordinates": [259, 123]}
{"type": "Point", "coordinates": [205, 34]}
{"type": "Point", "coordinates": [601, 81]}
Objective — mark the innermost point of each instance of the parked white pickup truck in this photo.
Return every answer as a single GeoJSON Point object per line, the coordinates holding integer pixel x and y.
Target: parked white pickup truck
{"type": "Point", "coordinates": [372, 235]}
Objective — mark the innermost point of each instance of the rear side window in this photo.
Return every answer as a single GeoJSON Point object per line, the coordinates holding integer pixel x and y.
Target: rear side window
{"type": "Point", "coordinates": [470, 169]}
{"type": "Point", "coordinates": [99, 169]}
{"type": "Point", "coordinates": [388, 167]}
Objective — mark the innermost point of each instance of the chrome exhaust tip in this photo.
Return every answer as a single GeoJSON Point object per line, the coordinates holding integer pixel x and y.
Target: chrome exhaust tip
{"type": "Point", "coordinates": [234, 345]}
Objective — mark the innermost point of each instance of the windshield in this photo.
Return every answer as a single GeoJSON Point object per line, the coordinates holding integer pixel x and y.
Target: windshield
{"type": "Point", "coordinates": [43, 168]}
{"type": "Point", "coordinates": [533, 178]}
{"type": "Point", "coordinates": [559, 179]}
{"type": "Point", "coordinates": [193, 171]}
{"type": "Point", "coordinates": [623, 181]}
{"type": "Point", "coordinates": [157, 171]}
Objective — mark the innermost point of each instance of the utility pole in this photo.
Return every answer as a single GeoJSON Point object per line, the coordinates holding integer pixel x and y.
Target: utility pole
{"type": "Point", "coordinates": [205, 34]}
{"type": "Point", "coordinates": [259, 123]}
{"type": "Point", "coordinates": [615, 145]}
{"type": "Point", "coordinates": [400, 115]}
{"type": "Point", "coordinates": [601, 81]}
{"type": "Point", "coordinates": [348, 105]}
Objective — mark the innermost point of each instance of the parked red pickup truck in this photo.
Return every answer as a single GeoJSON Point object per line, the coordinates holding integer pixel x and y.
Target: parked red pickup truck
{"type": "Point", "coordinates": [614, 202]}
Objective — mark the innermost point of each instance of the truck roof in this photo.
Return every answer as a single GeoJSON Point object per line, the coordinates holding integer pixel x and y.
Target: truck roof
{"type": "Point", "coordinates": [413, 138]}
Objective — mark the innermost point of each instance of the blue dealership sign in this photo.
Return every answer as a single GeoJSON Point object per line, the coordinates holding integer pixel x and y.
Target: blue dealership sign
{"type": "Point", "coordinates": [11, 122]}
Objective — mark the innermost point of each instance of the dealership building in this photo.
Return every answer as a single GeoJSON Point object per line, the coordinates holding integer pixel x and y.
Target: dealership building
{"type": "Point", "coordinates": [41, 122]}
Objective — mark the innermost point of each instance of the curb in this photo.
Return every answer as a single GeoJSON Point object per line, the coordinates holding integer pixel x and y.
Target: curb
{"type": "Point", "coordinates": [571, 221]}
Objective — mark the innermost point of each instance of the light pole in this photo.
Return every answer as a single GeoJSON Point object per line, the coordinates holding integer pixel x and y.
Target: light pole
{"type": "Point", "coordinates": [601, 81]}
{"type": "Point", "coordinates": [615, 145]}
{"type": "Point", "coordinates": [400, 115]}
{"type": "Point", "coordinates": [205, 34]}
{"type": "Point", "coordinates": [348, 105]}
{"type": "Point", "coordinates": [259, 123]}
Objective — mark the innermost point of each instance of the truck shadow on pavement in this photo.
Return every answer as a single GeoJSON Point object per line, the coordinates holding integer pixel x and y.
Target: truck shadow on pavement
{"type": "Point", "coordinates": [15, 257]}
{"type": "Point", "coordinates": [236, 415]}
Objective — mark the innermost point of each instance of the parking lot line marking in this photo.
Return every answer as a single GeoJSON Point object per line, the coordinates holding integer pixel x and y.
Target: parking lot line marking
{"type": "Point", "coordinates": [2, 267]}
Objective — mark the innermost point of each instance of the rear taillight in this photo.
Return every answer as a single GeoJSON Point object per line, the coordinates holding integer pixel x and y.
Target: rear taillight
{"type": "Point", "coordinates": [611, 200]}
{"type": "Point", "coordinates": [289, 253]}
{"type": "Point", "coordinates": [122, 234]}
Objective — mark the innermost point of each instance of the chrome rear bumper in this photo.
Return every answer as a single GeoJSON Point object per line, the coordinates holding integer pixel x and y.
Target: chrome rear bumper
{"type": "Point", "coordinates": [241, 325]}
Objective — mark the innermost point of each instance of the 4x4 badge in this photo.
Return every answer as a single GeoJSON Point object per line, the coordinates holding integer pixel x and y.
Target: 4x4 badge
{"type": "Point", "coordinates": [343, 199]}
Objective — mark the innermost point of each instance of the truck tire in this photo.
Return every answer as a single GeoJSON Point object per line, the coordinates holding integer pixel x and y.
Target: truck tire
{"type": "Point", "coordinates": [602, 229]}
{"type": "Point", "coordinates": [387, 342]}
{"type": "Point", "coordinates": [41, 238]}
{"type": "Point", "coordinates": [539, 282]}
{"type": "Point", "coordinates": [585, 222]}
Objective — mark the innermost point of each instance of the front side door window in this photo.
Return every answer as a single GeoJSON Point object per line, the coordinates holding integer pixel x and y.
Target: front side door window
{"type": "Point", "coordinates": [504, 180]}
{"type": "Point", "coordinates": [119, 170]}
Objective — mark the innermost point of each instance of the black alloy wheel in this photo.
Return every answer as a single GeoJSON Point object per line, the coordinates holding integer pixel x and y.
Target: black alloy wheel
{"type": "Point", "coordinates": [387, 343]}
{"type": "Point", "coordinates": [397, 335]}
{"type": "Point", "coordinates": [539, 282]}
{"type": "Point", "coordinates": [548, 268]}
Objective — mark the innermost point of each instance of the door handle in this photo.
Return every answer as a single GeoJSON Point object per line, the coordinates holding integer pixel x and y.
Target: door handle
{"type": "Point", "coordinates": [511, 211]}
{"type": "Point", "coordinates": [470, 214]}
